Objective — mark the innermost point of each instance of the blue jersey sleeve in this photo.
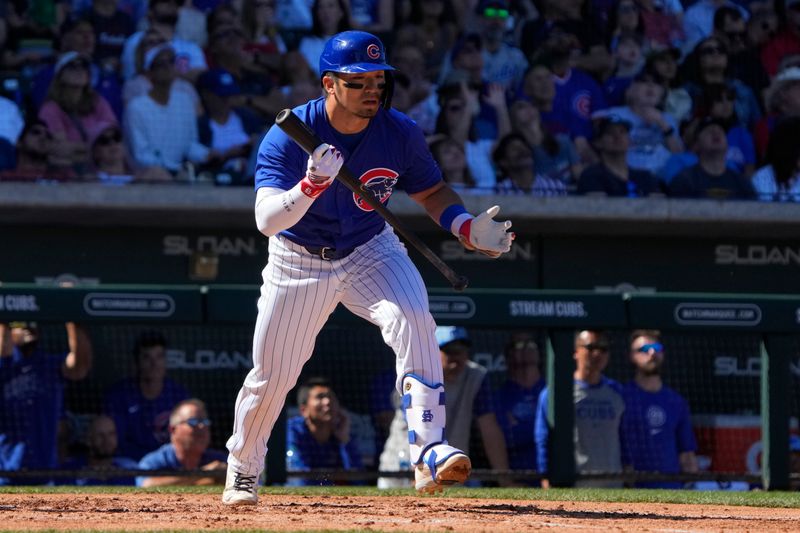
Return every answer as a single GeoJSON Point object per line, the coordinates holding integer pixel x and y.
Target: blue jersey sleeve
{"type": "Point", "coordinates": [541, 431]}
{"type": "Point", "coordinates": [421, 172]}
{"type": "Point", "coordinates": [280, 162]}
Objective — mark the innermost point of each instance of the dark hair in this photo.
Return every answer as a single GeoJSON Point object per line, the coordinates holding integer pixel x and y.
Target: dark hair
{"type": "Point", "coordinates": [29, 125]}
{"type": "Point", "coordinates": [447, 93]}
{"type": "Point", "coordinates": [711, 94]}
{"type": "Point", "coordinates": [305, 389]}
{"type": "Point", "coordinates": [437, 144]}
{"type": "Point", "coordinates": [344, 23]}
{"type": "Point", "coordinates": [783, 149]}
{"type": "Point", "coordinates": [652, 333]}
{"type": "Point", "coordinates": [692, 71]}
{"type": "Point", "coordinates": [211, 21]}
{"type": "Point", "coordinates": [502, 145]}
{"type": "Point", "coordinates": [723, 13]}
{"type": "Point", "coordinates": [148, 339]}
{"type": "Point", "coordinates": [415, 13]}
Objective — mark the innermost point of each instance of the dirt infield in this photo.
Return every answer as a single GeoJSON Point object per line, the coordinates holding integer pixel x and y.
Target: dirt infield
{"type": "Point", "coordinates": [153, 512]}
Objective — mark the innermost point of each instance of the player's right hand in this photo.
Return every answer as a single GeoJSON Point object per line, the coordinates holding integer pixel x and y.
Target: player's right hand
{"type": "Point", "coordinates": [485, 235]}
{"type": "Point", "coordinates": [324, 164]}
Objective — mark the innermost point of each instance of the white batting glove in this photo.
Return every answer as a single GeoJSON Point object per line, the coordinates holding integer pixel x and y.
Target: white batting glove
{"type": "Point", "coordinates": [323, 165]}
{"type": "Point", "coordinates": [484, 235]}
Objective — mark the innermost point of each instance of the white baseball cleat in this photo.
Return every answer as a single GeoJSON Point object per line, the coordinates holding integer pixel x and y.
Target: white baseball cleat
{"type": "Point", "coordinates": [240, 489]}
{"type": "Point", "coordinates": [443, 465]}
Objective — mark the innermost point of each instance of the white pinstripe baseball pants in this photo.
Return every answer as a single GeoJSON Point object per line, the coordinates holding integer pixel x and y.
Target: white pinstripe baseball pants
{"type": "Point", "coordinates": [377, 282]}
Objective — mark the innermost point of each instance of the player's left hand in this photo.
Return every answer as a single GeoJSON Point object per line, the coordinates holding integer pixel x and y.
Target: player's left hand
{"type": "Point", "coordinates": [485, 235]}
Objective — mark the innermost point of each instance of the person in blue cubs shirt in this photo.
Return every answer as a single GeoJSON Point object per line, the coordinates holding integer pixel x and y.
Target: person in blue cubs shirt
{"type": "Point", "coordinates": [515, 400]}
{"type": "Point", "coordinates": [32, 384]}
{"type": "Point", "coordinates": [598, 412]}
{"type": "Point", "coordinates": [140, 405]}
{"type": "Point", "coordinates": [187, 449]}
{"type": "Point", "coordinates": [657, 431]}
{"type": "Point", "coordinates": [320, 436]}
{"type": "Point", "coordinates": [101, 454]}
{"type": "Point", "coordinates": [327, 246]}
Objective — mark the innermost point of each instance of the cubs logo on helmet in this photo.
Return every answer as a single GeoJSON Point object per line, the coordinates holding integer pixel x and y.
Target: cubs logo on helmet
{"type": "Point", "coordinates": [381, 182]}
{"type": "Point", "coordinates": [373, 51]}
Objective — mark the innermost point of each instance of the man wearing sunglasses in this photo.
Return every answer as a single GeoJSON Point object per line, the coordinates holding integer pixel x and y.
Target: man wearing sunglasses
{"type": "Point", "coordinates": [187, 449]}
{"type": "Point", "coordinates": [327, 246]}
{"type": "Point", "coordinates": [657, 431]}
{"type": "Point", "coordinates": [598, 411]}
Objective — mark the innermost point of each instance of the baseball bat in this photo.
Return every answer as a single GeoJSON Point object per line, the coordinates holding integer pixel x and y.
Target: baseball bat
{"type": "Point", "coordinates": [308, 141]}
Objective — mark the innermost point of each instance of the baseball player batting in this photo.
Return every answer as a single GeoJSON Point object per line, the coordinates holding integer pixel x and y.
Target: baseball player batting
{"type": "Point", "coordinates": [327, 246]}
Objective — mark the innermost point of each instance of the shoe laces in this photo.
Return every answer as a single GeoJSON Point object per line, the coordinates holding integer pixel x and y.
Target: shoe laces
{"type": "Point", "coordinates": [243, 482]}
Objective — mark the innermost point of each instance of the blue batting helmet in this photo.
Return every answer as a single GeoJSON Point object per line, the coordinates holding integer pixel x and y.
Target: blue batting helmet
{"type": "Point", "coordinates": [350, 52]}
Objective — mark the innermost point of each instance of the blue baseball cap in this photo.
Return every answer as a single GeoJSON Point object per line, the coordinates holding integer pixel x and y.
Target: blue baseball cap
{"type": "Point", "coordinates": [219, 81]}
{"type": "Point", "coordinates": [447, 334]}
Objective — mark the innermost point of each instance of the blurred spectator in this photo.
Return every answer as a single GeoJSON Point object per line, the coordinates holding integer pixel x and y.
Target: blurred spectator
{"type": "Point", "coordinates": [577, 97]}
{"type": "Point", "coordinates": [140, 405]}
{"type": "Point", "coordinates": [162, 15]}
{"type": "Point", "coordinates": [516, 169]}
{"type": "Point", "coordinates": [263, 41]}
{"type": "Point", "coordinates": [624, 21]}
{"type": "Point", "coordinates": [294, 15]}
{"type": "Point", "coordinates": [628, 61]}
{"type": "Point", "coordinates": [612, 175]}
{"type": "Point", "coordinates": [568, 24]}
{"type": "Point", "coordinates": [432, 29]}
{"type": "Point", "coordinates": [330, 17]}
{"type": "Point", "coordinates": [745, 63]}
{"type": "Point", "coordinates": [516, 400]}
{"type": "Point", "coordinates": [718, 102]}
{"type": "Point", "coordinates": [598, 411]}
{"type": "Point", "coordinates": [227, 130]}
{"type": "Point", "coordinates": [73, 109]}
{"type": "Point", "coordinates": [554, 155]}
{"type": "Point", "coordinates": [187, 449]}
{"type": "Point", "coordinates": [711, 178]}
{"type": "Point", "coordinates": [300, 82]}
{"type": "Point", "coordinates": [111, 162]}
{"type": "Point", "coordinates": [459, 109]}
{"type": "Point", "coordinates": [468, 401]}
{"type": "Point", "coordinates": [657, 433]}
{"type": "Point", "coordinates": [502, 63]}
{"type": "Point", "coordinates": [140, 84]}
{"type": "Point", "coordinates": [161, 126]}
{"type": "Point", "coordinates": [787, 40]}
{"type": "Point", "coordinates": [653, 134]}
{"type": "Point", "coordinates": [783, 100]}
{"type": "Point", "coordinates": [452, 161]}
{"type": "Point", "coordinates": [223, 15]}
{"type": "Point", "coordinates": [111, 28]}
{"type": "Point", "coordinates": [33, 395]}
{"type": "Point", "coordinates": [320, 436]}
{"type": "Point", "coordinates": [34, 158]}
{"type": "Point", "coordinates": [12, 124]}
{"type": "Point", "coordinates": [101, 454]}
{"type": "Point", "coordinates": [409, 60]}
{"type": "Point", "coordinates": [257, 89]}
{"type": "Point", "coordinates": [779, 180]}
{"type": "Point", "coordinates": [381, 407]}
{"type": "Point", "coordinates": [698, 22]}
{"type": "Point", "coordinates": [374, 16]}
{"type": "Point", "coordinates": [709, 64]}
{"type": "Point", "coordinates": [30, 30]}
{"type": "Point", "coordinates": [78, 35]}
{"type": "Point", "coordinates": [663, 64]}
{"type": "Point", "coordinates": [662, 21]}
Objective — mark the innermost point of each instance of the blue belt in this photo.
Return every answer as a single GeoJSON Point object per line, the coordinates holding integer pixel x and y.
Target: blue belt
{"type": "Point", "coordinates": [327, 253]}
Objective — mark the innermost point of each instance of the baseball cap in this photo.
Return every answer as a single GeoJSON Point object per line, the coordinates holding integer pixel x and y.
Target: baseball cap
{"type": "Point", "coordinates": [151, 54]}
{"type": "Point", "coordinates": [68, 57]}
{"type": "Point", "coordinates": [706, 122]}
{"type": "Point", "coordinates": [603, 122]}
{"type": "Point", "coordinates": [219, 81]}
{"type": "Point", "coordinates": [447, 334]}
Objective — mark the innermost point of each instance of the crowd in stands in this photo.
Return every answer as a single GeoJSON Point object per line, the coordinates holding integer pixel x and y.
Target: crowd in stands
{"type": "Point", "coordinates": [630, 98]}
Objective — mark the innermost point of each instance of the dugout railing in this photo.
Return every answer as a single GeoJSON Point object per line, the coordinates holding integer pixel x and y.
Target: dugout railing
{"type": "Point", "coordinates": [774, 319]}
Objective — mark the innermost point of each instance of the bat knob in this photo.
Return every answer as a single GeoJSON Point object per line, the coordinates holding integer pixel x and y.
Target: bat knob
{"type": "Point", "coordinates": [461, 283]}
